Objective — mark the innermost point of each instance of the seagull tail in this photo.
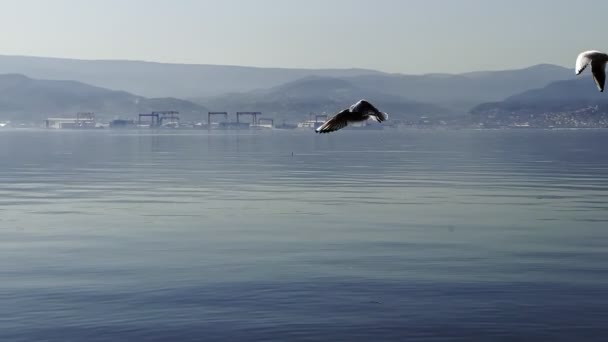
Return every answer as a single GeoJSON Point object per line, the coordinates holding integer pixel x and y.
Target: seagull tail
{"type": "Point", "coordinates": [382, 117]}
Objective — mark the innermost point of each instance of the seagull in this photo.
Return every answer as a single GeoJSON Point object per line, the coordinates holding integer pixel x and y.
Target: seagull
{"type": "Point", "coordinates": [598, 66]}
{"type": "Point", "coordinates": [358, 112]}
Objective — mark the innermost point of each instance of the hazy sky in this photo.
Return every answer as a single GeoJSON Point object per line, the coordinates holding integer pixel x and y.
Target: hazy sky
{"type": "Point", "coordinates": [408, 36]}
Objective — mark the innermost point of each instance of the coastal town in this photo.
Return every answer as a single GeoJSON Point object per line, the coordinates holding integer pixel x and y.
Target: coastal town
{"type": "Point", "coordinates": [589, 117]}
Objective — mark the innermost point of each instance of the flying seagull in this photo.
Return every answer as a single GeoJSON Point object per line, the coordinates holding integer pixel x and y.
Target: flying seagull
{"type": "Point", "coordinates": [598, 66]}
{"type": "Point", "coordinates": [358, 112]}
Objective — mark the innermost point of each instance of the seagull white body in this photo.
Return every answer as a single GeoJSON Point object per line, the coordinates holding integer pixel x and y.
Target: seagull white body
{"type": "Point", "coordinates": [360, 111]}
{"type": "Point", "coordinates": [598, 62]}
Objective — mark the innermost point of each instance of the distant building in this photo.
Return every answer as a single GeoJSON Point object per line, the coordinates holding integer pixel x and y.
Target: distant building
{"type": "Point", "coordinates": [121, 123]}
{"type": "Point", "coordinates": [82, 120]}
{"type": "Point", "coordinates": [64, 123]}
{"type": "Point", "coordinates": [312, 124]}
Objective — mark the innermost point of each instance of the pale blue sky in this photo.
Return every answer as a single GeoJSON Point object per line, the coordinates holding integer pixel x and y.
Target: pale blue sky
{"type": "Point", "coordinates": [405, 36]}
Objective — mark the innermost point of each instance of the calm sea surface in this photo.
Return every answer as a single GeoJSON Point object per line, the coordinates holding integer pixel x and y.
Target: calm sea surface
{"type": "Point", "coordinates": [288, 236]}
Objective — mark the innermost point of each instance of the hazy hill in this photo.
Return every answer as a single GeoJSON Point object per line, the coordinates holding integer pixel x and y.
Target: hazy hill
{"type": "Point", "coordinates": [462, 92]}
{"type": "Point", "coordinates": [24, 98]}
{"type": "Point", "coordinates": [188, 81]}
{"type": "Point", "coordinates": [163, 79]}
{"type": "Point", "coordinates": [578, 99]}
{"type": "Point", "coordinates": [294, 100]}
{"type": "Point", "coordinates": [557, 96]}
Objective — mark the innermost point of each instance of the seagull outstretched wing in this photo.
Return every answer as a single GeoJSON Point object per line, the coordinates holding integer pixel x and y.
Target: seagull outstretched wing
{"type": "Point", "coordinates": [598, 62]}
{"type": "Point", "coordinates": [339, 121]}
{"type": "Point", "coordinates": [598, 69]}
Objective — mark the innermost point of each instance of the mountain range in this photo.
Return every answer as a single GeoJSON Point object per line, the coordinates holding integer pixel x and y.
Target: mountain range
{"type": "Point", "coordinates": [201, 82]}
{"type": "Point", "coordinates": [408, 96]}
{"type": "Point", "coordinates": [32, 88]}
{"type": "Point", "coordinates": [464, 91]}
{"type": "Point", "coordinates": [569, 102]}
{"type": "Point", "coordinates": [153, 79]}
{"type": "Point", "coordinates": [322, 95]}
{"type": "Point", "coordinates": [26, 99]}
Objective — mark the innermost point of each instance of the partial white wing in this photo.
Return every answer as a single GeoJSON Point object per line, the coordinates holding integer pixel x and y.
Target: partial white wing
{"type": "Point", "coordinates": [584, 59]}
